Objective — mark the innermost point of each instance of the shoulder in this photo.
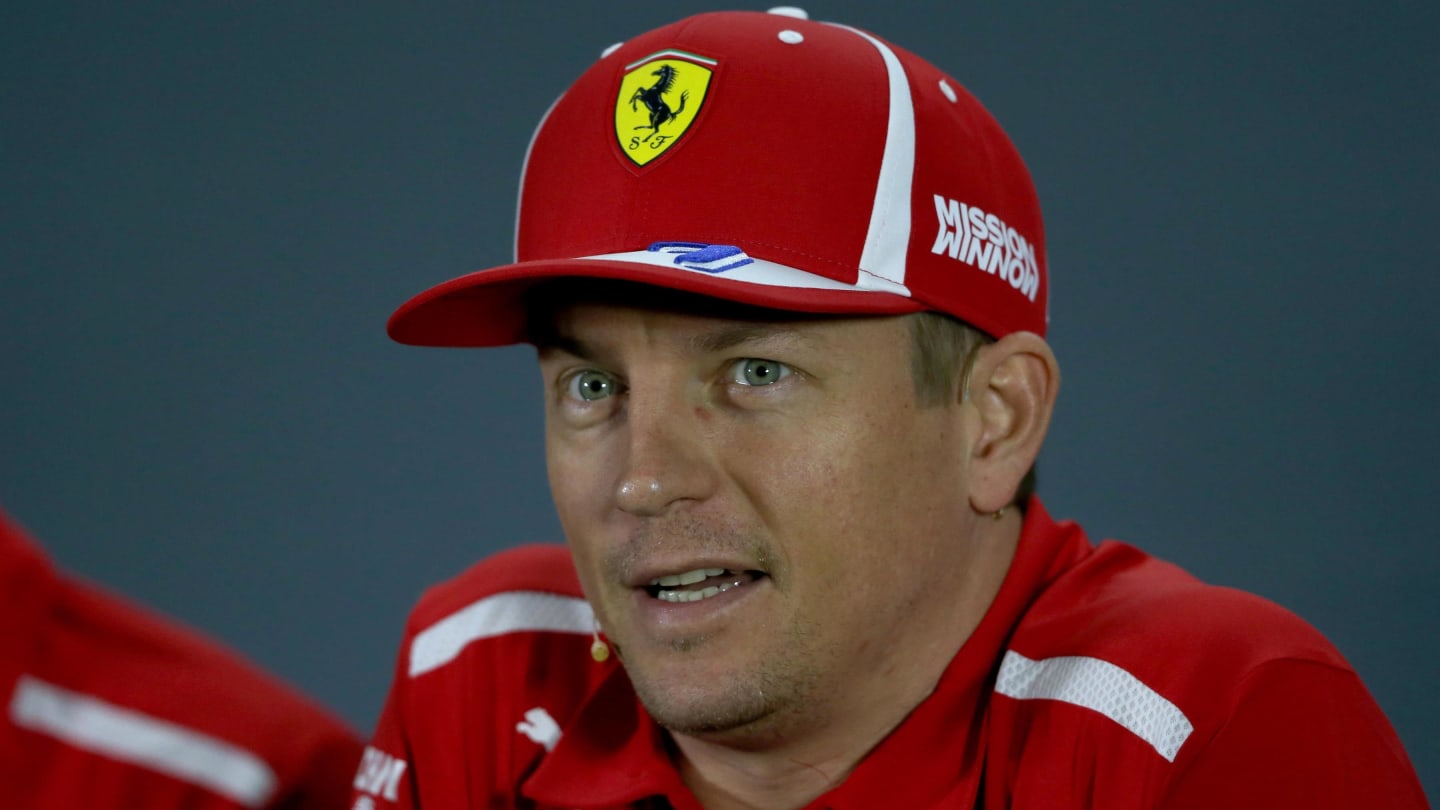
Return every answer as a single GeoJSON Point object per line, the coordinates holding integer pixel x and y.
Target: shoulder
{"type": "Point", "coordinates": [1159, 622]}
{"type": "Point", "coordinates": [538, 568]}
{"type": "Point", "coordinates": [111, 673]}
{"type": "Point", "coordinates": [1133, 643]}
{"type": "Point", "coordinates": [1139, 669]}
{"type": "Point", "coordinates": [189, 671]}
{"type": "Point", "coordinates": [520, 591]}
{"type": "Point", "coordinates": [494, 663]}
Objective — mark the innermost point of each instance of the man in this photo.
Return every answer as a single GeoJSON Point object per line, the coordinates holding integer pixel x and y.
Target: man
{"type": "Point", "coordinates": [110, 707]}
{"type": "Point", "coordinates": [788, 287]}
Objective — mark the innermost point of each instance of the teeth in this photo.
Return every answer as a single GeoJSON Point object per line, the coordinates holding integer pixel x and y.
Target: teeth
{"type": "Point", "coordinates": [696, 596]}
{"type": "Point", "coordinates": [687, 578]}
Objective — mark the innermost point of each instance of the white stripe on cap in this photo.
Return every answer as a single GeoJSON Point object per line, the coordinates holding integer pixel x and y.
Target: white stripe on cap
{"type": "Point", "coordinates": [673, 54]}
{"type": "Point", "coordinates": [753, 271]}
{"type": "Point", "coordinates": [1100, 686]}
{"type": "Point", "coordinates": [513, 612]}
{"type": "Point", "coordinates": [882, 262]}
{"type": "Point", "coordinates": [94, 725]}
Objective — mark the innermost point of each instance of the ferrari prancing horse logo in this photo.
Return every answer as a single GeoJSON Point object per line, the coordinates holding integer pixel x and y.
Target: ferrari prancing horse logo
{"type": "Point", "coordinates": [658, 100]}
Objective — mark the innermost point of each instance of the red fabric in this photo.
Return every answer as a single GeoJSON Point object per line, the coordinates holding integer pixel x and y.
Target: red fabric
{"type": "Point", "coordinates": [76, 637]}
{"type": "Point", "coordinates": [1278, 718]}
{"type": "Point", "coordinates": [782, 160]}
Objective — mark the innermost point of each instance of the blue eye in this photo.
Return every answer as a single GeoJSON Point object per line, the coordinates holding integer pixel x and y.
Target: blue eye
{"type": "Point", "coordinates": [754, 371]}
{"type": "Point", "coordinates": [591, 385]}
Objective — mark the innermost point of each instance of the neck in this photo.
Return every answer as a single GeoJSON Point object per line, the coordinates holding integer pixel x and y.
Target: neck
{"type": "Point", "coordinates": [795, 759]}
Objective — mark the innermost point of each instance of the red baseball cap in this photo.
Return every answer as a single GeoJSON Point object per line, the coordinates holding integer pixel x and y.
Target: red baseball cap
{"type": "Point", "coordinates": [770, 160]}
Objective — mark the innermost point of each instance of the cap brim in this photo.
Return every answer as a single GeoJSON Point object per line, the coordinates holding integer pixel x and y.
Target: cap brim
{"type": "Point", "coordinates": [485, 308]}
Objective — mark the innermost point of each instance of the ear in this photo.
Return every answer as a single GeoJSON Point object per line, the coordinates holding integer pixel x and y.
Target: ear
{"type": "Point", "coordinates": [1013, 386]}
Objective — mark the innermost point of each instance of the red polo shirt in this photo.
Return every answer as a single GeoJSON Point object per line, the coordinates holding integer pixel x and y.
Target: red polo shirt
{"type": "Point", "coordinates": [109, 706]}
{"type": "Point", "coordinates": [1099, 678]}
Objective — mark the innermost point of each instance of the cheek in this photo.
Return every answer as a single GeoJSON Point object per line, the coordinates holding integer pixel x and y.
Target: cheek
{"type": "Point", "coordinates": [575, 462]}
{"type": "Point", "coordinates": [574, 482]}
{"type": "Point", "coordinates": [812, 489]}
{"type": "Point", "coordinates": [850, 490]}
{"type": "Point", "coordinates": [838, 464]}
{"type": "Point", "coordinates": [578, 485]}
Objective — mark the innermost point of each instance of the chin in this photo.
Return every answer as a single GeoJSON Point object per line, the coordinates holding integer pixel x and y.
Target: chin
{"type": "Point", "coordinates": [715, 716]}
{"type": "Point", "coordinates": [750, 705]}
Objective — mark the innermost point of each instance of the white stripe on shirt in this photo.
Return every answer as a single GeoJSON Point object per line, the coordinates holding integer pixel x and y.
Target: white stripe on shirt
{"type": "Point", "coordinates": [103, 728]}
{"type": "Point", "coordinates": [514, 612]}
{"type": "Point", "coordinates": [1100, 686]}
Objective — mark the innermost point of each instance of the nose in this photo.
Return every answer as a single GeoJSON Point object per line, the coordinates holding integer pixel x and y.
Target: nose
{"type": "Point", "coordinates": [668, 460]}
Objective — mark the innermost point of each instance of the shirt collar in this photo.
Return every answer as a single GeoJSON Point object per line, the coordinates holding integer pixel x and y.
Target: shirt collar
{"type": "Point", "coordinates": [611, 755]}
{"type": "Point", "coordinates": [614, 755]}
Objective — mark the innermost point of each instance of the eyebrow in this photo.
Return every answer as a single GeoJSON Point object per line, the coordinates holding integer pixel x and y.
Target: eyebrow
{"type": "Point", "coordinates": [553, 341]}
{"type": "Point", "coordinates": [730, 337]}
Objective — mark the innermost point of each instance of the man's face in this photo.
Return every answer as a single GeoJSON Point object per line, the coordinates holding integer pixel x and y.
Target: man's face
{"type": "Point", "coordinates": [766, 522]}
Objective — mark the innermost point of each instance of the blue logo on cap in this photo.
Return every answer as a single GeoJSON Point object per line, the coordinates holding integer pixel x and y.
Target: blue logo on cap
{"type": "Point", "coordinates": [703, 257]}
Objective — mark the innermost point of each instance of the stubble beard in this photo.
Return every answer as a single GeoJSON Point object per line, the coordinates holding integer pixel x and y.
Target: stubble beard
{"type": "Point", "coordinates": [755, 704]}
{"type": "Point", "coordinates": [752, 703]}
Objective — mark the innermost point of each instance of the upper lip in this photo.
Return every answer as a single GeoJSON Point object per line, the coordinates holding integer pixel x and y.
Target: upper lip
{"type": "Point", "coordinates": [647, 573]}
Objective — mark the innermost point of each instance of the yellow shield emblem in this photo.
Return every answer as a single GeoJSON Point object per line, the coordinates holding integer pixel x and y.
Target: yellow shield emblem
{"type": "Point", "coordinates": [659, 98]}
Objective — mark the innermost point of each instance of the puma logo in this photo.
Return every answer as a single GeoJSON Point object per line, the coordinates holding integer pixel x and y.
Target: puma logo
{"type": "Point", "coordinates": [540, 727]}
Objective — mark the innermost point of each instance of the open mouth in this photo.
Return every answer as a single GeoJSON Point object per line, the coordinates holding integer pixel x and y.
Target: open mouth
{"type": "Point", "coordinates": [699, 584]}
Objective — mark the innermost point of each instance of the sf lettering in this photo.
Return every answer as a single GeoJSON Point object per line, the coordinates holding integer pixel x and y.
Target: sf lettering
{"type": "Point", "coordinates": [655, 142]}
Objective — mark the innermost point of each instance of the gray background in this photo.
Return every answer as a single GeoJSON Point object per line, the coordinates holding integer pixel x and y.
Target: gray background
{"type": "Point", "coordinates": [210, 208]}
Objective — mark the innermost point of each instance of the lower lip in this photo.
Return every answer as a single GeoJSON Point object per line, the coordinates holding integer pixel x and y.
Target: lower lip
{"type": "Point", "coordinates": [667, 618]}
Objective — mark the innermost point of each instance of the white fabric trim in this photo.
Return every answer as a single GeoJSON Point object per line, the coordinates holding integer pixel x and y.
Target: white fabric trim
{"type": "Point", "coordinates": [123, 734]}
{"type": "Point", "coordinates": [757, 271]}
{"type": "Point", "coordinates": [514, 612]}
{"type": "Point", "coordinates": [1100, 686]}
{"type": "Point", "coordinates": [671, 53]}
{"type": "Point", "coordinates": [883, 259]}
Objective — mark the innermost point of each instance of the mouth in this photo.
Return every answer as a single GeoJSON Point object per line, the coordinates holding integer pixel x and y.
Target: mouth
{"type": "Point", "coordinates": [699, 584]}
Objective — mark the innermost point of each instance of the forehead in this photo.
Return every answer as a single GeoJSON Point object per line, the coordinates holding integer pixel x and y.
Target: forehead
{"type": "Point", "coordinates": [603, 321]}
{"type": "Point", "coordinates": [555, 311]}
